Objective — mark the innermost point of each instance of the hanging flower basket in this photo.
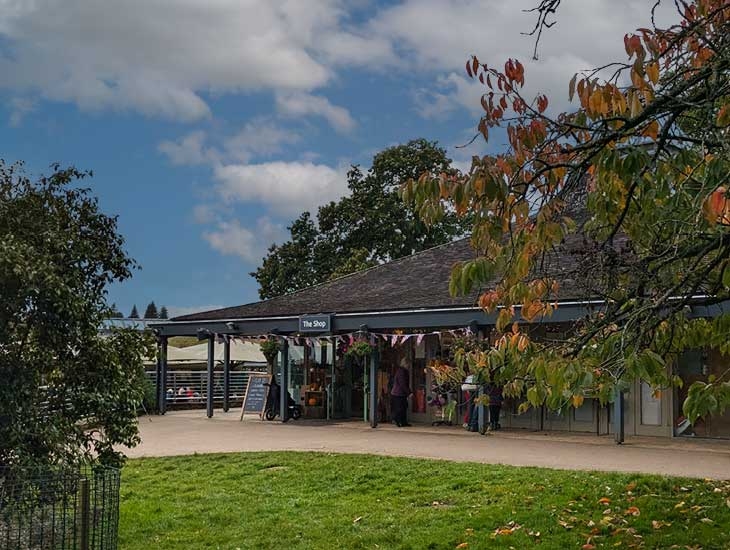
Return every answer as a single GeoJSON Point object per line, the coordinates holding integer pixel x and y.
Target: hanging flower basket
{"type": "Point", "coordinates": [359, 349]}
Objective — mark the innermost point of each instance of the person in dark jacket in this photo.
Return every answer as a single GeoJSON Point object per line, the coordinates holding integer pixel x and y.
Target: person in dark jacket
{"type": "Point", "coordinates": [495, 405]}
{"type": "Point", "coordinates": [399, 395]}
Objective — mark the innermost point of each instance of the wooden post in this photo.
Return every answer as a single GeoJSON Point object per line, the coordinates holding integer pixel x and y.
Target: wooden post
{"type": "Point", "coordinates": [226, 373]}
{"type": "Point", "coordinates": [211, 365]}
{"type": "Point", "coordinates": [85, 503]}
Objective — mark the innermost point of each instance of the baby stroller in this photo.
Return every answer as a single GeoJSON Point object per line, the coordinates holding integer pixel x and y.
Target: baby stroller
{"type": "Point", "coordinates": [272, 403]}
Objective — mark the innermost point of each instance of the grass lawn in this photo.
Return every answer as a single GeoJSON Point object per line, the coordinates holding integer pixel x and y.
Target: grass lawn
{"type": "Point", "coordinates": [311, 500]}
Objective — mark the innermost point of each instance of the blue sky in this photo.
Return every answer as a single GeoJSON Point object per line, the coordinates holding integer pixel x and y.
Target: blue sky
{"type": "Point", "coordinates": [210, 124]}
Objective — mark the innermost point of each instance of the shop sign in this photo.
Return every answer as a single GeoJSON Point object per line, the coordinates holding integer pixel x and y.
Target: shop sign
{"type": "Point", "coordinates": [315, 323]}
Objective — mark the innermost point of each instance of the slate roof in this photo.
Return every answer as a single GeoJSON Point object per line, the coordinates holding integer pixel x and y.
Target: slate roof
{"type": "Point", "coordinates": [419, 281]}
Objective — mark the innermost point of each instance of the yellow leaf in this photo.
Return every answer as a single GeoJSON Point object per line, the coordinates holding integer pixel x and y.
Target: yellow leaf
{"type": "Point", "coordinates": [463, 545]}
{"type": "Point", "coordinates": [651, 130]}
{"type": "Point", "coordinates": [723, 116]}
{"type": "Point", "coordinates": [577, 401]}
{"type": "Point", "coordinates": [652, 71]}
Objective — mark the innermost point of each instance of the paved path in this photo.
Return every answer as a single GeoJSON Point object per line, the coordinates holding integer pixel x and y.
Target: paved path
{"type": "Point", "coordinates": [189, 432]}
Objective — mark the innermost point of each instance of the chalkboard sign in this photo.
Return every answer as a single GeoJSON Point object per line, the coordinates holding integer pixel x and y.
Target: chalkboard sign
{"type": "Point", "coordinates": [256, 392]}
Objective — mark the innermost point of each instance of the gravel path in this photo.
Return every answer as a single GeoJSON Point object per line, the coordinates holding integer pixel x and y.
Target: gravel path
{"type": "Point", "coordinates": [189, 432]}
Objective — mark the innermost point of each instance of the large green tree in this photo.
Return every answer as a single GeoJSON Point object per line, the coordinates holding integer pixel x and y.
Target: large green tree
{"type": "Point", "coordinates": [369, 226]}
{"type": "Point", "coordinates": [151, 311]}
{"type": "Point", "coordinates": [67, 391]}
{"type": "Point", "coordinates": [634, 179]}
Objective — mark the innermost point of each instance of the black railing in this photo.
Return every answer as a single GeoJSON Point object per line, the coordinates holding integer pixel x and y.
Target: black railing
{"type": "Point", "coordinates": [62, 510]}
{"type": "Point", "coordinates": [189, 388]}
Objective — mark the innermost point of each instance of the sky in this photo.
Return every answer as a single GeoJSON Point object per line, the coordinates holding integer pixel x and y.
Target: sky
{"type": "Point", "coordinates": [211, 124]}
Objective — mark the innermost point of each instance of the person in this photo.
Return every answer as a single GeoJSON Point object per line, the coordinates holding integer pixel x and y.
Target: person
{"type": "Point", "coordinates": [399, 395]}
{"type": "Point", "coordinates": [495, 405]}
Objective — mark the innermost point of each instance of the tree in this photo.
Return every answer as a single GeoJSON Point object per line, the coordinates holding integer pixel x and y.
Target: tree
{"type": "Point", "coordinates": [638, 173]}
{"type": "Point", "coordinates": [151, 311]}
{"type": "Point", "coordinates": [68, 392]}
{"type": "Point", "coordinates": [134, 314]}
{"type": "Point", "coordinates": [115, 313]}
{"type": "Point", "coordinates": [163, 313]}
{"type": "Point", "coordinates": [369, 226]}
{"type": "Point", "coordinates": [292, 265]}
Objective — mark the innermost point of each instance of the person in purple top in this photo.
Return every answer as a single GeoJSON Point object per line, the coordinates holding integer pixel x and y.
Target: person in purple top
{"type": "Point", "coordinates": [399, 395]}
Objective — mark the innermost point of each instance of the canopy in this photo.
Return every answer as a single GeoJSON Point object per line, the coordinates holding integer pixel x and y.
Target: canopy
{"type": "Point", "coordinates": [241, 352]}
{"type": "Point", "coordinates": [247, 352]}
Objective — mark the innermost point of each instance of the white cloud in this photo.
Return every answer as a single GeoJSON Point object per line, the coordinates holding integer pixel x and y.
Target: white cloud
{"type": "Point", "coordinates": [163, 58]}
{"type": "Point", "coordinates": [302, 104]}
{"type": "Point", "coordinates": [232, 239]}
{"type": "Point", "coordinates": [259, 138]}
{"type": "Point", "coordinates": [19, 108]}
{"type": "Point", "coordinates": [189, 150]}
{"type": "Point", "coordinates": [438, 36]}
{"type": "Point", "coordinates": [287, 188]}
{"type": "Point", "coordinates": [157, 57]}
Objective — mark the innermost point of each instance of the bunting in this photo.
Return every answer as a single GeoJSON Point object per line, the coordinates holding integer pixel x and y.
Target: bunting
{"type": "Point", "coordinates": [349, 338]}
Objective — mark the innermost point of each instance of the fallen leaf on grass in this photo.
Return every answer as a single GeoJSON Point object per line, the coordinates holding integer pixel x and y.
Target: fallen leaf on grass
{"type": "Point", "coordinates": [633, 511]}
{"type": "Point", "coordinates": [565, 524]}
{"type": "Point", "coordinates": [463, 545]}
{"type": "Point", "coordinates": [631, 486]}
{"type": "Point", "coordinates": [358, 518]}
{"type": "Point", "coordinates": [508, 529]}
{"type": "Point", "coordinates": [605, 501]}
{"type": "Point", "coordinates": [707, 520]}
{"type": "Point", "coordinates": [679, 505]}
{"type": "Point", "coordinates": [659, 524]}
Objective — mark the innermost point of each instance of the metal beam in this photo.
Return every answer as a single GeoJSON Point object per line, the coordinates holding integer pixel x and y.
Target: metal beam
{"type": "Point", "coordinates": [455, 317]}
{"type": "Point", "coordinates": [211, 366]}
{"type": "Point", "coordinates": [226, 374]}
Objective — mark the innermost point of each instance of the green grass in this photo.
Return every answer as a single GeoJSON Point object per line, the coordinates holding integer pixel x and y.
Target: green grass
{"type": "Point", "coordinates": [311, 500]}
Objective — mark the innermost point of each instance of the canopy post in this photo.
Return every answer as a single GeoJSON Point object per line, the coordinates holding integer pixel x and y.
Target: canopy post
{"type": "Point", "coordinates": [211, 364]}
{"type": "Point", "coordinates": [284, 381]}
{"type": "Point", "coordinates": [226, 373]}
{"type": "Point", "coordinates": [618, 416]}
{"type": "Point", "coordinates": [162, 376]}
{"type": "Point", "coordinates": [374, 360]}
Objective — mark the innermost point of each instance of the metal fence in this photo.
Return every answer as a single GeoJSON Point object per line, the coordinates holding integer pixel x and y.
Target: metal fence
{"type": "Point", "coordinates": [63, 510]}
{"type": "Point", "coordinates": [189, 388]}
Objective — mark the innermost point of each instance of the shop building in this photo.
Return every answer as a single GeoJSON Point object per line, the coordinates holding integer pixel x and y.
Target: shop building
{"type": "Point", "coordinates": [404, 307]}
